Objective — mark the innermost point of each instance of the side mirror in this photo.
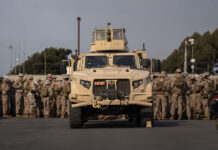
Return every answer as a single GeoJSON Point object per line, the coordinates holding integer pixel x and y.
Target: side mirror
{"type": "Point", "coordinates": [145, 63]}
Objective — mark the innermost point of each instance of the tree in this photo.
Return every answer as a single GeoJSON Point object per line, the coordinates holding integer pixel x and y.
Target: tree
{"type": "Point", "coordinates": [205, 53]}
{"type": "Point", "coordinates": [35, 64]}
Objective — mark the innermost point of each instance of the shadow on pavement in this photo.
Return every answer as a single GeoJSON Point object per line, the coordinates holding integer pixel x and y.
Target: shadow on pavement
{"type": "Point", "coordinates": [126, 124]}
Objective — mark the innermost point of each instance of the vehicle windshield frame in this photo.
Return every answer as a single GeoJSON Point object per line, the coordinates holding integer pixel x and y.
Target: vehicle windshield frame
{"type": "Point", "coordinates": [96, 64]}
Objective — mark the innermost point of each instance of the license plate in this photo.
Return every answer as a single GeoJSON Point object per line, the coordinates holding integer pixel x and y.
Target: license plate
{"type": "Point", "coordinates": [99, 83]}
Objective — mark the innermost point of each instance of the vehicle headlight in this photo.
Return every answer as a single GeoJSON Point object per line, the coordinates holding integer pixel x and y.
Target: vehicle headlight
{"type": "Point", "coordinates": [86, 84]}
{"type": "Point", "coordinates": [137, 83]}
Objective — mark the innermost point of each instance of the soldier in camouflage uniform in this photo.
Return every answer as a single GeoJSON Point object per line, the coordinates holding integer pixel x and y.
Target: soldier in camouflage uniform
{"type": "Point", "coordinates": [178, 87]}
{"type": "Point", "coordinates": [46, 93]}
{"type": "Point", "coordinates": [29, 98]}
{"type": "Point", "coordinates": [5, 98]}
{"type": "Point", "coordinates": [64, 99]}
{"type": "Point", "coordinates": [154, 94]}
{"type": "Point", "coordinates": [207, 87]}
{"type": "Point", "coordinates": [18, 86]}
{"type": "Point", "coordinates": [160, 89]}
{"type": "Point", "coordinates": [187, 94]}
{"type": "Point", "coordinates": [39, 105]}
{"type": "Point", "coordinates": [56, 101]}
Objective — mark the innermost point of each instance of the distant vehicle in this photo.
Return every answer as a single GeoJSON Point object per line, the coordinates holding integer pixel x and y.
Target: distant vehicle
{"type": "Point", "coordinates": [215, 69]}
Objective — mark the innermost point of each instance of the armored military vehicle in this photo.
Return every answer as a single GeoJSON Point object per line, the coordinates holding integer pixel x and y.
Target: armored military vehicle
{"type": "Point", "coordinates": [110, 80]}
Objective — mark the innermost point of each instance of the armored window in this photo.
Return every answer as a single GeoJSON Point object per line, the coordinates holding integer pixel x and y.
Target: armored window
{"type": "Point", "coordinates": [96, 61]}
{"type": "Point", "coordinates": [124, 60]}
{"type": "Point", "coordinates": [117, 34]}
{"type": "Point", "coordinates": [93, 37]}
{"type": "Point", "coordinates": [100, 34]}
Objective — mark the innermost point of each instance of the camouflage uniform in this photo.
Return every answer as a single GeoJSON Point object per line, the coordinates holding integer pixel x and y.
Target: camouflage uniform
{"type": "Point", "coordinates": [160, 89]}
{"type": "Point", "coordinates": [18, 85]}
{"type": "Point", "coordinates": [187, 95]}
{"type": "Point", "coordinates": [5, 98]}
{"type": "Point", "coordinates": [207, 87]}
{"type": "Point", "coordinates": [64, 99]}
{"type": "Point", "coordinates": [154, 94]}
{"type": "Point", "coordinates": [46, 93]}
{"type": "Point", "coordinates": [56, 98]}
{"type": "Point", "coordinates": [39, 105]}
{"type": "Point", "coordinates": [177, 86]}
{"type": "Point", "coordinates": [29, 98]}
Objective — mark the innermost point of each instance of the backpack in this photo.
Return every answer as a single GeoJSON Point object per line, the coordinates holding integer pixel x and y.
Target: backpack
{"type": "Point", "coordinates": [44, 91]}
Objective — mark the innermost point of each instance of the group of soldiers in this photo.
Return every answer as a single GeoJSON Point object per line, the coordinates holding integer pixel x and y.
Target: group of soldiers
{"type": "Point", "coordinates": [26, 98]}
{"type": "Point", "coordinates": [182, 96]}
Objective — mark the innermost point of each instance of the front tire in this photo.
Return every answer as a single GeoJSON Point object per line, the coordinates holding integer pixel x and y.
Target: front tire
{"type": "Point", "coordinates": [75, 118]}
{"type": "Point", "coordinates": [145, 117]}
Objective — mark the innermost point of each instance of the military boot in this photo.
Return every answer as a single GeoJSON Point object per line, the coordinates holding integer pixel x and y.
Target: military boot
{"type": "Point", "coordinates": [189, 118]}
{"type": "Point", "coordinates": [171, 117]}
{"type": "Point", "coordinates": [180, 117]}
{"type": "Point", "coordinates": [163, 118]}
{"type": "Point", "coordinates": [155, 117]}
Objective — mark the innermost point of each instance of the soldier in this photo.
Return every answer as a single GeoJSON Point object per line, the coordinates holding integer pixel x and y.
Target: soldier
{"type": "Point", "coordinates": [46, 93]}
{"type": "Point", "coordinates": [49, 77]}
{"type": "Point", "coordinates": [29, 98]}
{"type": "Point", "coordinates": [187, 94]}
{"type": "Point", "coordinates": [39, 105]}
{"type": "Point", "coordinates": [177, 86]}
{"type": "Point", "coordinates": [160, 89]}
{"type": "Point", "coordinates": [56, 98]}
{"type": "Point", "coordinates": [207, 87]}
{"type": "Point", "coordinates": [154, 94]}
{"type": "Point", "coordinates": [5, 98]}
{"type": "Point", "coordinates": [64, 99]}
{"type": "Point", "coordinates": [18, 85]}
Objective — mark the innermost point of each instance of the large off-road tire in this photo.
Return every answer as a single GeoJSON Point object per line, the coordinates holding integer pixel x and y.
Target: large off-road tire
{"type": "Point", "coordinates": [217, 123]}
{"type": "Point", "coordinates": [75, 118]}
{"type": "Point", "coordinates": [145, 117]}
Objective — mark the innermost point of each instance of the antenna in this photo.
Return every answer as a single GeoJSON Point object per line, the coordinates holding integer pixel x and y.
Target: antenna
{"type": "Point", "coordinates": [78, 20]}
{"type": "Point", "coordinates": [143, 47]}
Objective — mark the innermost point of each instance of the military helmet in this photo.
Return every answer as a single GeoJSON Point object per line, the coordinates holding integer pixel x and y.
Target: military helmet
{"type": "Point", "coordinates": [38, 79]}
{"type": "Point", "coordinates": [49, 75]}
{"type": "Point", "coordinates": [30, 78]}
{"type": "Point", "coordinates": [66, 77]}
{"type": "Point", "coordinates": [47, 82]}
{"type": "Point", "coordinates": [178, 70]}
{"type": "Point", "coordinates": [53, 77]}
{"type": "Point", "coordinates": [20, 75]}
{"type": "Point", "coordinates": [163, 73]}
{"type": "Point", "coordinates": [5, 80]}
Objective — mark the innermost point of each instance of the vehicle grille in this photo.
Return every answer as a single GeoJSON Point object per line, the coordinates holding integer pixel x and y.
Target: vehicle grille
{"type": "Point", "coordinates": [123, 86]}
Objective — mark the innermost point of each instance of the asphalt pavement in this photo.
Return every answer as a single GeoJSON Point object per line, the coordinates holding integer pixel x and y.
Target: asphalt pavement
{"type": "Point", "coordinates": [52, 134]}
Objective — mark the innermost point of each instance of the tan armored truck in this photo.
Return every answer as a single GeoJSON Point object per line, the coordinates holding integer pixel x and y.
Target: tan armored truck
{"type": "Point", "coordinates": [110, 80]}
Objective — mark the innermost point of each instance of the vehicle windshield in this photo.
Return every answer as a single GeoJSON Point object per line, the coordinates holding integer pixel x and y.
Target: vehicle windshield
{"type": "Point", "coordinates": [124, 60]}
{"type": "Point", "coordinates": [117, 34]}
{"type": "Point", "coordinates": [96, 61]}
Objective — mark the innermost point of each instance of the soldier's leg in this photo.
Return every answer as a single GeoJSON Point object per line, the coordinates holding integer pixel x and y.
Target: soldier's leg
{"type": "Point", "coordinates": [58, 106]}
{"type": "Point", "coordinates": [18, 103]}
{"type": "Point", "coordinates": [206, 109]}
{"type": "Point", "coordinates": [188, 110]}
{"type": "Point", "coordinates": [46, 104]}
{"type": "Point", "coordinates": [32, 106]}
{"type": "Point", "coordinates": [63, 106]}
{"type": "Point", "coordinates": [173, 104]}
{"type": "Point", "coordinates": [157, 106]}
{"type": "Point", "coordinates": [5, 105]}
{"type": "Point", "coordinates": [164, 106]}
{"type": "Point", "coordinates": [26, 107]}
{"type": "Point", "coordinates": [180, 102]}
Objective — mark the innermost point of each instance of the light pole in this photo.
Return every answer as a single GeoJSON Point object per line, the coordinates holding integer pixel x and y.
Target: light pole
{"type": "Point", "coordinates": [192, 59]}
{"type": "Point", "coordinates": [185, 57]}
{"type": "Point", "coordinates": [11, 47]}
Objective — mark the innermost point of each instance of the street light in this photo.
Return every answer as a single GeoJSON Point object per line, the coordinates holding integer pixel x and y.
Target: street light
{"type": "Point", "coordinates": [191, 42]}
{"type": "Point", "coordinates": [11, 47]}
{"type": "Point", "coordinates": [192, 59]}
